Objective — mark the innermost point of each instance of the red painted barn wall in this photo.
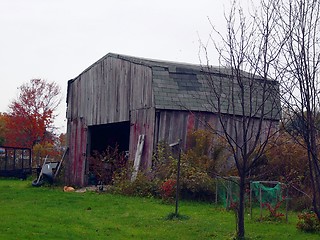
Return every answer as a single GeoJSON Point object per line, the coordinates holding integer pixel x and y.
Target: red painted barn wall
{"type": "Point", "coordinates": [76, 167]}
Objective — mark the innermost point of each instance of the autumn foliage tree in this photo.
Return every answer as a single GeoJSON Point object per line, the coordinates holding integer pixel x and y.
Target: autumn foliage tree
{"type": "Point", "coordinates": [31, 115]}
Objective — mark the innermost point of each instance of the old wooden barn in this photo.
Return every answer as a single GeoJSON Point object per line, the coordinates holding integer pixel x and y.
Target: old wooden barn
{"type": "Point", "coordinates": [123, 100]}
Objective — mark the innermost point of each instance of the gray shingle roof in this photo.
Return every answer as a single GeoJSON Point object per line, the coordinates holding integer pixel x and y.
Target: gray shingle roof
{"type": "Point", "coordinates": [181, 86]}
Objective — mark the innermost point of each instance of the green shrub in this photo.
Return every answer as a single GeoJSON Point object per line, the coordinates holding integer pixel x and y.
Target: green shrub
{"type": "Point", "coordinates": [144, 187]}
{"type": "Point", "coordinates": [207, 152]}
{"type": "Point", "coordinates": [195, 183]}
{"type": "Point", "coordinates": [199, 165]}
{"type": "Point", "coordinates": [308, 222]}
{"type": "Point", "coordinates": [164, 165]}
{"type": "Point", "coordinates": [141, 187]}
{"type": "Point", "coordinates": [198, 170]}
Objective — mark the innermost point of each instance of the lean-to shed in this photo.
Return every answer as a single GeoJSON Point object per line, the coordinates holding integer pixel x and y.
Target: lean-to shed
{"type": "Point", "coordinates": [123, 100]}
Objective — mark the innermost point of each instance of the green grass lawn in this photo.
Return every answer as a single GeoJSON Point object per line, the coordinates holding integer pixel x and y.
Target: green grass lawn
{"type": "Point", "coordinates": [49, 213]}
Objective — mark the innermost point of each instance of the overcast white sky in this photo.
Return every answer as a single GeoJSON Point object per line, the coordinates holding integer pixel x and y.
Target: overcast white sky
{"type": "Point", "coordinates": [57, 39]}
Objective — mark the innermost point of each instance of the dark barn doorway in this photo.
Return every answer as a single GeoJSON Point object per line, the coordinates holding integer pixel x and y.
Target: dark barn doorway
{"type": "Point", "coordinates": [108, 144]}
{"type": "Point", "coordinates": [113, 134]}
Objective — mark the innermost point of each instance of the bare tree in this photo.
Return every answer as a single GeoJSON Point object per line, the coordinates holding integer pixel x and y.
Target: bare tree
{"type": "Point", "coordinates": [299, 69]}
{"type": "Point", "coordinates": [246, 96]}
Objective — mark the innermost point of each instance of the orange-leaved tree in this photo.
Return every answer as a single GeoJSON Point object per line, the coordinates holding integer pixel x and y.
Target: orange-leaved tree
{"type": "Point", "coordinates": [31, 115]}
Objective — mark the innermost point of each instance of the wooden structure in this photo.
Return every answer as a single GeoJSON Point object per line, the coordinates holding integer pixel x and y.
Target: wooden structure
{"type": "Point", "coordinates": [120, 98]}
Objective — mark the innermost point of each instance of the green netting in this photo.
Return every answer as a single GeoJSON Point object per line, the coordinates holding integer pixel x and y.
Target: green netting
{"type": "Point", "coordinates": [264, 194]}
{"type": "Point", "coordinates": [227, 190]}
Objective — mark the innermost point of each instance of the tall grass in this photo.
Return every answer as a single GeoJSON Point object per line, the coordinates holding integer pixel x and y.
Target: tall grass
{"type": "Point", "coordinates": [49, 213]}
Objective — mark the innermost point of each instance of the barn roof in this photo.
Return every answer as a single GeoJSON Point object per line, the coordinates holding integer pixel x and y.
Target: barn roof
{"type": "Point", "coordinates": [176, 86]}
{"type": "Point", "coordinates": [182, 86]}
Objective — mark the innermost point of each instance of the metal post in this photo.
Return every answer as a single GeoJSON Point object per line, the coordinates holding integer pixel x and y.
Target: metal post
{"type": "Point", "coordinates": [250, 199]}
{"type": "Point", "coordinates": [178, 175]}
{"type": "Point", "coordinates": [260, 196]}
{"type": "Point", "coordinates": [216, 191]}
{"type": "Point", "coordinates": [178, 181]}
{"type": "Point", "coordinates": [287, 205]}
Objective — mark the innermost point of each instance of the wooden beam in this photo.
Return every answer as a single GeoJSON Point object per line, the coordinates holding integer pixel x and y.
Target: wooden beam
{"type": "Point", "coordinates": [137, 158]}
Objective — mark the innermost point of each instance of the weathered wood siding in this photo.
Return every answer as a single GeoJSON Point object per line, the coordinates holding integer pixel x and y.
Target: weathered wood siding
{"type": "Point", "coordinates": [111, 90]}
{"type": "Point", "coordinates": [77, 141]}
{"type": "Point", "coordinates": [174, 125]}
{"type": "Point", "coordinates": [106, 92]}
{"type": "Point", "coordinates": [142, 122]}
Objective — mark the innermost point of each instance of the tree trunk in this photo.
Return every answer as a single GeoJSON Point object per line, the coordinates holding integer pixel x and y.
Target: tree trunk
{"type": "Point", "coordinates": [240, 210]}
{"type": "Point", "coordinates": [313, 162]}
{"type": "Point", "coordinates": [314, 172]}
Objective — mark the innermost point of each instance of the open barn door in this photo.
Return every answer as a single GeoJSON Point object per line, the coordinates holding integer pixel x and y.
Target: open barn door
{"type": "Point", "coordinates": [105, 141]}
{"type": "Point", "coordinates": [110, 135]}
